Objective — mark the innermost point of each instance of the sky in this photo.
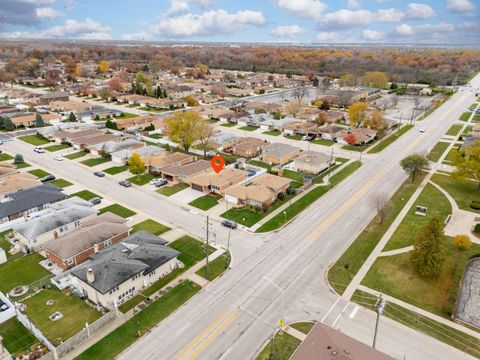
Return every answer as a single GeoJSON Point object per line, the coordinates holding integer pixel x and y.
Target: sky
{"type": "Point", "coordinates": [272, 21]}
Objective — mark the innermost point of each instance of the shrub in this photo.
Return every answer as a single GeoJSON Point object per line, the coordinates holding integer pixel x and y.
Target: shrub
{"type": "Point", "coordinates": [475, 205]}
{"type": "Point", "coordinates": [476, 230]}
{"type": "Point", "coordinates": [462, 242]}
{"type": "Point", "coordinates": [18, 159]}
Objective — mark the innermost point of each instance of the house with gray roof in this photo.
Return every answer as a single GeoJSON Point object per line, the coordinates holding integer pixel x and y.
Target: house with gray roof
{"type": "Point", "coordinates": [114, 146]}
{"type": "Point", "coordinates": [121, 157]}
{"type": "Point", "coordinates": [279, 153]}
{"type": "Point", "coordinates": [119, 272]}
{"type": "Point", "coordinates": [26, 202]}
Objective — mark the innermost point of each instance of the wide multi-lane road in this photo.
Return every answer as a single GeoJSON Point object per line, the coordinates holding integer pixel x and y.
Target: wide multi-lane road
{"type": "Point", "coordinates": [233, 316]}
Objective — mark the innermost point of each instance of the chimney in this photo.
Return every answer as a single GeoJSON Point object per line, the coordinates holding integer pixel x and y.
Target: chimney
{"type": "Point", "coordinates": [90, 276]}
{"type": "Point", "coordinates": [95, 248]}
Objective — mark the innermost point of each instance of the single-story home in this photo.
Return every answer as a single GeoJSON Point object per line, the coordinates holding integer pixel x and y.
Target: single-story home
{"type": "Point", "coordinates": [30, 119]}
{"type": "Point", "coordinates": [212, 182]}
{"type": "Point", "coordinates": [330, 132]}
{"type": "Point", "coordinates": [182, 173]}
{"type": "Point", "coordinates": [222, 142]}
{"type": "Point", "coordinates": [247, 147]}
{"type": "Point", "coordinates": [121, 157]}
{"type": "Point", "coordinates": [312, 162]}
{"type": "Point", "coordinates": [114, 146]}
{"type": "Point", "coordinates": [86, 142]}
{"type": "Point", "coordinates": [358, 136]}
{"type": "Point", "coordinates": [279, 153]}
{"type": "Point", "coordinates": [14, 181]}
{"type": "Point", "coordinates": [156, 163]}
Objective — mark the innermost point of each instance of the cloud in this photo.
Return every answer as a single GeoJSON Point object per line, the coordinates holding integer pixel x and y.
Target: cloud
{"type": "Point", "coordinates": [354, 4]}
{"type": "Point", "coordinates": [87, 29]}
{"type": "Point", "coordinates": [442, 31]}
{"type": "Point", "coordinates": [306, 9]}
{"type": "Point", "coordinates": [343, 19]}
{"type": "Point", "coordinates": [209, 23]}
{"type": "Point", "coordinates": [417, 11]}
{"type": "Point", "coordinates": [404, 30]}
{"type": "Point", "coordinates": [48, 13]}
{"type": "Point", "coordinates": [142, 35]}
{"type": "Point", "coordinates": [460, 6]}
{"type": "Point", "coordinates": [372, 35]}
{"type": "Point", "coordinates": [21, 12]}
{"type": "Point", "coordinates": [289, 31]}
{"type": "Point", "coordinates": [202, 3]}
{"type": "Point", "coordinates": [389, 15]}
{"type": "Point", "coordinates": [177, 7]}
{"type": "Point", "coordinates": [334, 37]}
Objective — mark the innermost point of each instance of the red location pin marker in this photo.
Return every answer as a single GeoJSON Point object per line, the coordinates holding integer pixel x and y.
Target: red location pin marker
{"type": "Point", "coordinates": [217, 163]}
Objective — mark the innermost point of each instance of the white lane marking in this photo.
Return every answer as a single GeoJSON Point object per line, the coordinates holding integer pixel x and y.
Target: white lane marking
{"type": "Point", "coordinates": [354, 312]}
{"type": "Point", "coordinates": [225, 353]}
{"type": "Point", "coordinates": [340, 315]}
{"type": "Point", "coordinates": [183, 328]}
{"type": "Point", "coordinates": [328, 312]}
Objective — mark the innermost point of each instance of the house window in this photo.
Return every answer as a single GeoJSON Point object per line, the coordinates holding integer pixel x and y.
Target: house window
{"type": "Point", "coordinates": [107, 242]}
{"type": "Point", "coordinates": [77, 223]}
{"type": "Point", "coordinates": [70, 261]}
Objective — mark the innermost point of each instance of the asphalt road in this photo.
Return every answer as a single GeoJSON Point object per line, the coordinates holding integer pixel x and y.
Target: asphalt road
{"type": "Point", "coordinates": [233, 316]}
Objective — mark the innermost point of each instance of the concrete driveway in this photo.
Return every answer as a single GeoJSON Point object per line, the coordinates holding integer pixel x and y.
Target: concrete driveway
{"type": "Point", "coordinates": [187, 195]}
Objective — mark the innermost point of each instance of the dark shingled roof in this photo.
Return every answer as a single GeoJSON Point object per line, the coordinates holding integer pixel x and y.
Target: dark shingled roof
{"type": "Point", "coordinates": [139, 252]}
{"type": "Point", "coordinates": [30, 198]}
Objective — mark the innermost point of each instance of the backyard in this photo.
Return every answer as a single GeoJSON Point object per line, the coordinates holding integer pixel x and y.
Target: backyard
{"type": "Point", "coordinates": [16, 337]}
{"type": "Point", "coordinates": [22, 271]}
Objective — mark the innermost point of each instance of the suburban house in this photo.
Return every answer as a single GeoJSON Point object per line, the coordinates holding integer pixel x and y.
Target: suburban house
{"type": "Point", "coordinates": [330, 132]}
{"type": "Point", "coordinates": [302, 128]}
{"type": "Point", "coordinates": [358, 136]}
{"type": "Point", "coordinates": [53, 96]}
{"type": "Point", "coordinates": [212, 182]}
{"type": "Point", "coordinates": [120, 271]}
{"type": "Point", "coordinates": [89, 238]}
{"type": "Point", "coordinates": [63, 136]}
{"type": "Point", "coordinates": [271, 124]}
{"type": "Point", "coordinates": [26, 202]}
{"type": "Point", "coordinates": [182, 173]}
{"type": "Point", "coordinates": [114, 146]}
{"type": "Point", "coordinates": [233, 116]}
{"type": "Point", "coordinates": [247, 147]}
{"type": "Point", "coordinates": [476, 130]}
{"type": "Point", "coordinates": [139, 122]}
{"type": "Point", "coordinates": [279, 153]}
{"type": "Point", "coordinates": [222, 142]}
{"type": "Point", "coordinates": [121, 157]}
{"type": "Point", "coordinates": [30, 119]}
{"type": "Point", "coordinates": [156, 163]}
{"type": "Point", "coordinates": [11, 181]}
{"type": "Point", "coordinates": [261, 192]}
{"type": "Point", "coordinates": [35, 232]}
{"type": "Point", "coordinates": [85, 142]}
{"type": "Point", "coordinates": [312, 162]}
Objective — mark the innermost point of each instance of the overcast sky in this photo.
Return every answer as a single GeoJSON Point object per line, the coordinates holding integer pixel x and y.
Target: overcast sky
{"type": "Point", "coordinates": [322, 21]}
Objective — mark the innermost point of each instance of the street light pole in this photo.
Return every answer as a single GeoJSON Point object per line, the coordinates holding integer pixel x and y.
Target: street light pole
{"type": "Point", "coordinates": [380, 306]}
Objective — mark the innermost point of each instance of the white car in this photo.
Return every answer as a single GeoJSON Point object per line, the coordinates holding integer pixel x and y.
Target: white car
{"type": "Point", "coordinates": [58, 158]}
{"type": "Point", "coordinates": [422, 130]}
{"type": "Point", "coordinates": [38, 149]}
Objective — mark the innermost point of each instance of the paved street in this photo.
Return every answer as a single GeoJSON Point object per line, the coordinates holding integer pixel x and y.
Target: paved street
{"type": "Point", "coordinates": [234, 315]}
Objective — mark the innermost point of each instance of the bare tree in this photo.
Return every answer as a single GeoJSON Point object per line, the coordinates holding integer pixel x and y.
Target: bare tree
{"type": "Point", "coordinates": [379, 202]}
{"type": "Point", "coordinates": [221, 90]}
{"type": "Point", "coordinates": [395, 100]}
{"type": "Point", "coordinates": [299, 93]}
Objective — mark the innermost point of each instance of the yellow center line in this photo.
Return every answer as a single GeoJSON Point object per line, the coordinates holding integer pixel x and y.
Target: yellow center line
{"type": "Point", "coordinates": [211, 336]}
{"type": "Point", "coordinates": [202, 335]}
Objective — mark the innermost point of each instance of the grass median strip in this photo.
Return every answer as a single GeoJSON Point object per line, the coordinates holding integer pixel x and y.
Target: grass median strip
{"type": "Point", "coordinates": [118, 210]}
{"type": "Point", "coordinates": [390, 139]}
{"type": "Point", "coordinates": [437, 151]}
{"type": "Point", "coordinates": [85, 195]}
{"type": "Point", "coordinates": [61, 183]}
{"type": "Point", "coordinates": [454, 130]}
{"type": "Point", "coordinates": [215, 267]}
{"type": "Point", "coordinates": [126, 334]}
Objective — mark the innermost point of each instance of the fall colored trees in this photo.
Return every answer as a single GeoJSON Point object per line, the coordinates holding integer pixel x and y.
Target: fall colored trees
{"type": "Point", "coordinates": [357, 114]}
{"type": "Point", "coordinates": [350, 139]}
{"type": "Point", "coordinates": [115, 84]}
{"type": "Point", "coordinates": [186, 128]}
{"type": "Point", "coordinates": [136, 165]}
{"type": "Point", "coordinates": [376, 79]}
{"type": "Point", "coordinates": [103, 67]}
{"type": "Point", "coordinates": [293, 108]}
{"type": "Point", "coordinates": [413, 164]}
{"type": "Point", "coordinates": [462, 242]}
{"type": "Point", "coordinates": [467, 162]}
{"type": "Point", "coordinates": [375, 121]}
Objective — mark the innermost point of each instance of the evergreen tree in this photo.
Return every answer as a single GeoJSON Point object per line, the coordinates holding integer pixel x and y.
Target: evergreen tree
{"type": "Point", "coordinates": [72, 117]}
{"type": "Point", "coordinates": [18, 159]}
{"type": "Point", "coordinates": [38, 120]}
{"type": "Point", "coordinates": [315, 82]}
{"type": "Point", "coordinates": [9, 126]}
{"type": "Point", "coordinates": [428, 254]}
{"type": "Point", "coordinates": [2, 123]}
{"type": "Point", "coordinates": [165, 94]}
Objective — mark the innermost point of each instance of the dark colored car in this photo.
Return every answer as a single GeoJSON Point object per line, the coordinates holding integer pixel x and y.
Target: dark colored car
{"type": "Point", "coordinates": [229, 224]}
{"type": "Point", "coordinates": [99, 174]}
{"type": "Point", "coordinates": [161, 183]}
{"type": "Point", "coordinates": [47, 178]}
{"type": "Point", "coordinates": [95, 200]}
{"type": "Point", "coordinates": [125, 183]}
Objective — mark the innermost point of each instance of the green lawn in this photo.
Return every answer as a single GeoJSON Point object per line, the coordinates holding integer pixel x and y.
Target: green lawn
{"type": "Point", "coordinates": [39, 173]}
{"type": "Point", "coordinates": [61, 183]}
{"type": "Point", "coordinates": [395, 276]}
{"type": "Point", "coordinates": [126, 115]}
{"type": "Point", "coordinates": [115, 170]}
{"type": "Point", "coordinates": [192, 250]}
{"type": "Point", "coordinates": [118, 210]}
{"type": "Point", "coordinates": [94, 161]}
{"type": "Point", "coordinates": [344, 173]}
{"type": "Point", "coordinates": [142, 179]}
{"type": "Point", "coordinates": [5, 156]}
{"type": "Point", "coordinates": [57, 147]}
{"type": "Point", "coordinates": [294, 175]}
{"type": "Point", "coordinates": [295, 137]}
{"type": "Point", "coordinates": [4, 244]}
{"type": "Point", "coordinates": [228, 124]}
{"type": "Point", "coordinates": [205, 202]}
{"type": "Point", "coordinates": [435, 329]}
{"type": "Point", "coordinates": [170, 190]}
{"type": "Point", "coordinates": [243, 216]}
{"type": "Point", "coordinates": [454, 130]}
{"type": "Point", "coordinates": [155, 136]}
{"type": "Point", "coordinates": [283, 347]}
{"type": "Point", "coordinates": [21, 165]}
{"type": "Point", "coordinates": [35, 140]}
{"type": "Point", "coordinates": [16, 337]}
{"type": "Point", "coordinates": [463, 191]}
{"type": "Point", "coordinates": [125, 335]}
{"type": "Point", "coordinates": [216, 267]}
{"type": "Point", "coordinates": [465, 116]}
{"type": "Point", "coordinates": [345, 268]}
{"type": "Point", "coordinates": [76, 155]}
{"type": "Point", "coordinates": [438, 206]}
{"type": "Point", "coordinates": [75, 314]}
{"type": "Point", "coordinates": [323, 142]}
{"type": "Point", "coordinates": [467, 130]}
{"type": "Point", "coordinates": [437, 151]}
{"type": "Point", "coordinates": [248, 128]}
{"type": "Point", "coordinates": [451, 155]}
{"type": "Point", "coordinates": [151, 226]}
{"type": "Point", "coordinates": [476, 118]}
{"type": "Point", "coordinates": [303, 327]}
{"type": "Point", "coordinates": [390, 139]}
{"type": "Point", "coordinates": [260, 164]}
{"type": "Point", "coordinates": [272, 132]}
{"type": "Point", "coordinates": [22, 271]}
{"type": "Point", "coordinates": [133, 105]}
{"type": "Point", "coordinates": [85, 195]}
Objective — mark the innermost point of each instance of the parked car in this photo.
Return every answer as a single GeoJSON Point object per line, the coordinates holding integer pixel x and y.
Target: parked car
{"type": "Point", "coordinates": [38, 149]}
{"type": "Point", "coordinates": [95, 200]}
{"type": "Point", "coordinates": [1, 142]}
{"type": "Point", "coordinates": [47, 178]}
{"type": "Point", "coordinates": [154, 181]}
{"type": "Point", "coordinates": [229, 224]}
{"type": "Point", "coordinates": [58, 158]}
{"type": "Point", "coordinates": [310, 137]}
{"type": "Point", "coordinates": [125, 183]}
{"type": "Point", "coordinates": [161, 183]}
{"type": "Point", "coordinates": [99, 174]}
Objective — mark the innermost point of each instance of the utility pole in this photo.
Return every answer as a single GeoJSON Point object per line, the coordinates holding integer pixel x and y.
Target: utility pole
{"type": "Point", "coordinates": [228, 248]}
{"type": "Point", "coordinates": [206, 250]}
{"type": "Point", "coordinates": [380, 306]}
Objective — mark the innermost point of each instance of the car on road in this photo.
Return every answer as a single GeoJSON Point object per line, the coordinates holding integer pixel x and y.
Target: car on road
{"type": "Point", "coordinates": [125, 183]}
{"type": "Point", "coordinates": [229, 224]}
{"type": "Point", "coordinates": [95, 201]}
{"type": "Point", "coordinates": [1, 142]}
{"type": "Point", "coordinates": [47, 178]}
{"type": "Point", "coordinates": [422, 130]}
{"type": "Point", "coordinates": [99, 174]}
{"type": "Point", "coordinates": [161, 183]}
{"type": "Point", "coordinates": [58, 158]}
{"type": "Point", "coordinates": [38, 149]}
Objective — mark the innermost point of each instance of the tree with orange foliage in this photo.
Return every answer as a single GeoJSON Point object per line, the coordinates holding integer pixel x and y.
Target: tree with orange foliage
{"type": "Point", "coordinates": [115, 84]}
{"type": "Point", "coordinates": [103, 67]}
{"type": "Point", "coordinates": [350, 139]}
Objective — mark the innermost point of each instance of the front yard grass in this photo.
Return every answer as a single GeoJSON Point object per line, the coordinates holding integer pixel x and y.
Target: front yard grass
{"type": "Point", "coordinates": [76, 155]}
{"type": "Point", "coordinates": [454, 130]}
{"type": "Point", "coordinates": [5, 157]}
{"type": "Point", "coordinates": [323, 142]}
{"type": "Point", "coordinates": [125, 335]}
{"type": "Point", "coordinates": [215, 267]}
{"type": "Point", "coordinates": [192, 250]}
{"type": "Point", "coordinates": [465, 116]}
{"type": "Point", "coordinates": [75, 314]}
{"type": "Point", "coordinates": [142, 179]}
{"type": "Point", "coordinates": [438, 206]}
{"type": "Point", "coordinates": [344, 269]}
{"type": "Point", "coordinates": [283, 347]}
{"type": "Point", "coordinates": [173, 189]}
{"type": "Point", "coordinates": [22, 271]}
{"type": "Point", "coordinates": [61, 183]}
{"type": "Point", "coordinates": [248, 128]}
{"type": "Point", "coordinates": [16, 337]}
{"type": "Point", "coordinates": [205, 202]}
{"type": "Point", "coordinates": [272, 132]}
{"type": "Point", "coordinates": [294, 175]}
{"type": "Point", "coordinates": [303, 327]}
{"type": "Point", "coordinates": [35, 140]}
{"type": "Point", "coordinates": [85, 195]}
{"type": "Point", "coordinates": [151, 226]}
{"type": "Point", "coordinates": [39, 173]}
{"type": "Point", "coordinates": [228, 124]}
{"type": "Point", "coordinates": [462, 191]}
{"type": "Point", "coordinates": [118, 210]}
{"type": "Point", "coordinates": [390, 139]}
{"type": "Point", "coordinates": [437, 151]}
{"type": "Point", "coordinates": [21, 165]}
{"type": "Point", "coordinates": [115, 169]}
{"type": "Point", "coordinates": [94, 161]}
{"type": "Point", "coordinates": [57, 147]}
{"type": "Point", "coordinates": [260, 164]}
